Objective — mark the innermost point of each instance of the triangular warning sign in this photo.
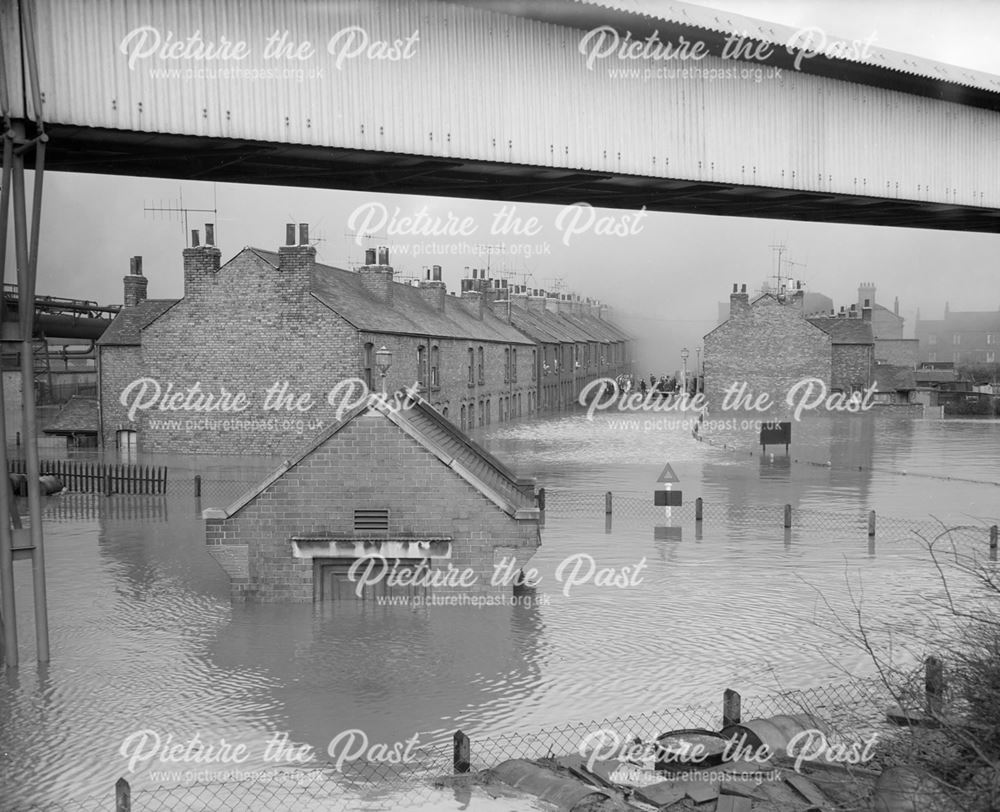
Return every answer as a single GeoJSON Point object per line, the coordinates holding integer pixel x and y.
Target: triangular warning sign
{"type": "Point", "coordinates": [668, 475]}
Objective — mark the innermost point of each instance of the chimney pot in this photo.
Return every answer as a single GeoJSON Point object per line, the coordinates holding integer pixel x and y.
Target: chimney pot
{"type": "Point", "coordinates": [289, 233]}
{"type": "Point", "coordinates": [303, 233]}
{"type": "Point", "coordinates": [195, 242]}
{"type": "Point", "coordinates": [383, 255]}
{"type": "Point", "coordinates": [369, 256]}
{"type": "Point", "coordinates": [743, 289]}
{"type": "Point", "coordinates": [209, 234]}
{"type": "Point", "coordinates": [736, 288]}
{"type": "Point", "coordinates": [436, 275]}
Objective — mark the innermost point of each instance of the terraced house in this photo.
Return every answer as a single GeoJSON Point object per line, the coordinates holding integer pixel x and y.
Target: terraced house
{"type": "Point", "coordinates": [286, 333]}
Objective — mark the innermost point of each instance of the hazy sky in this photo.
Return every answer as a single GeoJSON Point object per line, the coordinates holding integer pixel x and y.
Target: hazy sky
{"type": "Point", "coordinates": [669, 276]}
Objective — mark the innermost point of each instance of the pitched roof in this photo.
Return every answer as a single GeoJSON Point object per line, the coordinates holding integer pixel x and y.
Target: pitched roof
{"type": "Point", "coordinates": [409, 314]}
{"type": "Point", "coordinates": [936, 375]}
{"type": "Point", "coordinates": [124, 329]}
{"type": "Point", "coordinates": [78, 416]}
{"type": "Point", "coordinates": [845, 331]}
{"type": "Point", "coordinates": [430, 429]}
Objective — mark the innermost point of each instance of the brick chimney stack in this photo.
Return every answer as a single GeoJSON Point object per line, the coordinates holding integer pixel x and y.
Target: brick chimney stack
{"type": "Point", "coordinates": [201, 264]}
{"type": "Point", "coordinates": [536, 301]}
{"type": "Point", "coordinates": [433, 290]}
{"type": "Point", "coordinates": [519, 297]}
{"type": "Point", "coordinates": [739, 301]}
{"type": "Point", "coordinates": [377, 278]}
{"type": "Point", "coordinates": [296, 261]}
{"type": "Point", "coordinates": [135, 283]}
{"type": "Point", "coordinates": [473, 300]}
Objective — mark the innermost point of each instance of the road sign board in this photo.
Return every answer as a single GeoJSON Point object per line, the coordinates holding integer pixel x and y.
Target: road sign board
{"type": "Point", "coordinates": [668, 475]}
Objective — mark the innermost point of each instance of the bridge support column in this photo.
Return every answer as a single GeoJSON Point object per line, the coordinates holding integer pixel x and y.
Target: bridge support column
{"type": "Point", "coordinates": [15, 146]}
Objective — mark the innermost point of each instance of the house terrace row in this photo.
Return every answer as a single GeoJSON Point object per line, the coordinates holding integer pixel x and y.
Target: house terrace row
{"type": "Point", "coordinates": [493, 353]}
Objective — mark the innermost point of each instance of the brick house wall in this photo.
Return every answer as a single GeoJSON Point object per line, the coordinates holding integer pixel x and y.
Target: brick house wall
{"type": "Point", "coordinates": [118, 366]}
{"type": "Point", "coordinates": [904, 352]}
{"type": "Point", "coordinates": [767, 344]}
{"type": "Point", "coordinates": [498, 387]}
{"type": "Point", "coordinates": [245, 327]}
{"type": "Point", "coordinates": [385, 468]}
{"type": "Point", "coordinates": [851, 366]}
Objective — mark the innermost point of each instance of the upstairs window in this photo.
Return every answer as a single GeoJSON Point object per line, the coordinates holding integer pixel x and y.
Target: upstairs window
{"type": "Point", "coordinates": [367, 363]}
{"type": "Point", "coordinates": [482, 366]}
{"type": "Point", "coordinates": [421, 365]}
{"type": "Point", "coordinates": [472, 367]}
{"type": "Point", "coordinates": [435, 366]}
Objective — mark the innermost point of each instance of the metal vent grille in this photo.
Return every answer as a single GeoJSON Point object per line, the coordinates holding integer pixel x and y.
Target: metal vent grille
{"type": "Point", "coordinates": [371, 519]}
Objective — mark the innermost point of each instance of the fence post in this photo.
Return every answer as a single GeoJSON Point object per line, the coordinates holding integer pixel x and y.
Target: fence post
{"type": "Point", "coordinates": [934, 685]}
{"type": "Point", "coordinates": [788, 516]}
{"type": "Point", "coordinates": [107, 482]}
{"type": "Point", "coordinates": [697, 509]}
{"type": "Point", "coordinates": [197, 486]}
{"type": "Point", "coordinates": [731, 708]}
{"type": "Point", "coordinates": [871, 524]}
{"type": "Point", "coordinates": [607, 503]}
{"type": "Point", "coordinates": [993, 543]}
{"type": "Point", "coordinates": [123, 796]}
{"type": "Point", "coordinates": [462, 753]}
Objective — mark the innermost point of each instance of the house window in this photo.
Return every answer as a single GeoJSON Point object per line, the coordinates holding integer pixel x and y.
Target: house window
{"type": "Point", "coordinates": [367, 362]}
{"type": "Point", "coordinates": [506, 365]}
{"type": "Point", "coordinates": [513, 365]}
{"type": "Point", "coordinates": [489, 410]}
{"type": "Point", "coordinates": [534, 362]}
{"type": "Point", "coordinates": [472, 367]}
{"type": "Point", "coordinates": [464, 424]}
{"type": "Point", "coordinates": [932, 339]}
{"type": "Point", "coordinates": [932, 357]}
{"type": "Point", "coordinates": [444, 411]}
{"type": "Point", "coordinates": [991, 357]}
{"type": "Point", "coordinates": [435, 366]}
{"type": "Point", "coordinates": [482, 366]}
{"type": "Point", "coordinates": [956, 339]}
{"type": "Point", "coordinates": [482, 413]}
{"type": "Point", "coordinates": [956, 356]}
{"type": "Point", "coordinates": [421, 365]}
{"type": "Point", "coordinates": [990, 338]}
{"type": "Point", "coordinates": [127, 441]}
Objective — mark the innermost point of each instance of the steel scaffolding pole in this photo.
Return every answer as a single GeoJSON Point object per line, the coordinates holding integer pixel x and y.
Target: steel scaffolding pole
{"type": "Point", "coordinates": [27, 255]}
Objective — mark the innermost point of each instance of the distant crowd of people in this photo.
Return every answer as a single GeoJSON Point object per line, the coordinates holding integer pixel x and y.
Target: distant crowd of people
{"type": "Point", "coordinates": [663, 385]}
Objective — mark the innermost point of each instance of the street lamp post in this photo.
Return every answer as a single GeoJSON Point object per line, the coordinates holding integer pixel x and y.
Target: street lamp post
{"type": "Point", "coordinates": [684, 359]}
{"type": "Point", "coordinates": [383, 359]}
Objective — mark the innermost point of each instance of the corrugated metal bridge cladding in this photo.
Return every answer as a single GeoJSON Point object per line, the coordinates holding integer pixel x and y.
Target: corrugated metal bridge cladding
{"type": "Point", "coordinates": [485, 86]}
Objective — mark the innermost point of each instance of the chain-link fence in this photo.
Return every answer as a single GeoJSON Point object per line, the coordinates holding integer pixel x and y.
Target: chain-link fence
{"type": "Point", "coordinates": [846, 713]}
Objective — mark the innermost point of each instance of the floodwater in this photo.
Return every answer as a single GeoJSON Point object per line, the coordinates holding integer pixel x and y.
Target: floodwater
{"type": "Point", "coordinates": [144, 636]}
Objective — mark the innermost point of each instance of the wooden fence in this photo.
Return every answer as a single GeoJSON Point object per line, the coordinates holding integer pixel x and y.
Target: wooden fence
{"type": "Point", "coordinates": [97, 477]}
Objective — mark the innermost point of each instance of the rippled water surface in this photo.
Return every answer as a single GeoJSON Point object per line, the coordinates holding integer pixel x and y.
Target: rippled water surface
{"type": "Point", "coordinates": [144, 635]}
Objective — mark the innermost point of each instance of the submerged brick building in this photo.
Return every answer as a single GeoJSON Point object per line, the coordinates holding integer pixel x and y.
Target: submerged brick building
{"type": "Point", "coordinates": [771, 344]}
{"type": "Point", "coordinates": [283, 331]}
{"type": "Point", "coordinates": [386, 488]}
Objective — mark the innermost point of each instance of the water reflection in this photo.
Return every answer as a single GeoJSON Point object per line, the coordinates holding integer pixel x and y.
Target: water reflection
{"type": "Point", "coordinates": [144, 634]}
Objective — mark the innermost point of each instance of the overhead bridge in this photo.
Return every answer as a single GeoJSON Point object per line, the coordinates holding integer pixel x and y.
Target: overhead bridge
{"type": "Point", "coordinates": [513, 101]}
